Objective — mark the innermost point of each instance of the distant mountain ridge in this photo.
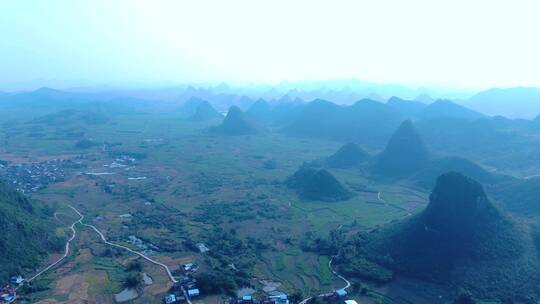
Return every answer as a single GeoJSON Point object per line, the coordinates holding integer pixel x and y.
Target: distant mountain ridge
{"type": "Point", "coordinates": [204, 112]}
{"type": "Point", "coordinates": [365, 121]}
{"type": "Point", "coordinates": [519, 102]}
{"type": "Point", "coordinates": [409, 108]}
{"type": "Point", "coordinates": [447, 109]}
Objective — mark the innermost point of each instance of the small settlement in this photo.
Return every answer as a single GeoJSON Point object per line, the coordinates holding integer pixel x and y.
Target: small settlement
{"type": "Point", "coordinates": [8, 294]}
{"type": "Point", "coordinates": [186, 287]}
{"type": "Point", "coordinates": [31, 177]}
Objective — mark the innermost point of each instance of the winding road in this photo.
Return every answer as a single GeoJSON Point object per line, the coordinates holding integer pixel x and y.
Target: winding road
{"type": "Point", "coordinates": [347, 282]}
{"type": "Point", "coordinates": [165, 267]}
{"type": "Point", "coordinates": [66, 252]}
{"type": "Point", "coordinates": [102, 236]}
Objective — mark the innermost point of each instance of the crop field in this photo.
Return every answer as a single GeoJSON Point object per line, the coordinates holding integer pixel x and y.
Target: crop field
{"type": "Point", "coordinates": [179, 185]}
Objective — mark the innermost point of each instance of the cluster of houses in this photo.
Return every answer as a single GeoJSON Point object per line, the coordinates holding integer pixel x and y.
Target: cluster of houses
{"type": "Point", "coordinates": [337, 297]}
{"type": "Point", "coordinates": [273, 298]}
{"type": "Point", "coordinates": [145, 248]}
{"type": "Point", "coordinates": [186, 288]}
{"type": "Point", "coordinates": [31, 177]}
{"type": "Point", "coordinates": [9, 294]}
{"type": "Point", "coordinates": [122, 161]}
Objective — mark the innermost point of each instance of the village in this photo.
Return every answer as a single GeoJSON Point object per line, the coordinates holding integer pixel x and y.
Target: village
{"type": "Point", "coordinates": [32, 177]}
{"type": "Point", "coordinates": [8, 294]}
{"type": "Point", "coordinates": [186, 290]}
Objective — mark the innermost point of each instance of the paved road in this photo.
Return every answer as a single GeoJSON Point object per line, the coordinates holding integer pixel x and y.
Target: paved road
{"type": "Point", "coordinates": [169, 274]}
{"type": "Point", "coordinates": [102, 236]}
{"type": "Point", "coordinates": [347, 282]}
{"type": "Point", "coordinates": [66, 251]}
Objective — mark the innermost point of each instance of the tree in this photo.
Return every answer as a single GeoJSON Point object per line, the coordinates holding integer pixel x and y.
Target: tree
{"type": "Point", "coordinates": [134, 266]}
{"type": "Point", "coordinates": [132, 281]}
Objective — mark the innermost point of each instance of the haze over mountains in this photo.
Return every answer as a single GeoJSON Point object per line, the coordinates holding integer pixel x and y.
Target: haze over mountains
{"type": "Point", "coordinates": [519, 102]}
{"type": "Point", "coordinates": [320, 156]}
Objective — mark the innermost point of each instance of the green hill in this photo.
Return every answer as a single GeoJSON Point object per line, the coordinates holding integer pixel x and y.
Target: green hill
{"type": "Point", "coordinates": [404, 154]}
{"type": "Point", "coordinates": [235, 123]}
{"type": "Point", "coordinates": [27, 233]}
{"type": "Point", "coordinates": [349, 155]}
{"type": "Point", "coordinates": [317, 184]}
{"type": "Point", "coordinates": [461, 240]}
{"type": "Point", "coordinates": [204, 112]}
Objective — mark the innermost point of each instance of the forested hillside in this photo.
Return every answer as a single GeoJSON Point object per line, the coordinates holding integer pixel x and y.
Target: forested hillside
{"type": "Point", "coordinates": [27, 233]}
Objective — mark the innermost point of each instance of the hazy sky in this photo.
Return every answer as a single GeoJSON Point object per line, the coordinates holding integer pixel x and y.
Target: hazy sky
{"type": "Point", "coordinates": [463, 43]}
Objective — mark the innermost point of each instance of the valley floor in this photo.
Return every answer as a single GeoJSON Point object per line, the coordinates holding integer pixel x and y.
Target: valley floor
{"type": "Point", "coordinates": [187, 187]}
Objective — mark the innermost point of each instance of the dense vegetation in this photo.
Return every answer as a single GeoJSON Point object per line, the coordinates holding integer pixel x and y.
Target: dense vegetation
{"type": "Point", "coordinates": [349, 155]}
{"type": "Point", "coordinates": [427, 175]}
{"type": "Point", "coordinates": [185, 186]}
{"type": "Point", "coordinates": [460, 239]}
{"type": "Point", "coordinates": [27, 233]}
{"type": "Point", "coordinates": [317, 184]}
{"type": "Point", "coordinates": [520, 195]}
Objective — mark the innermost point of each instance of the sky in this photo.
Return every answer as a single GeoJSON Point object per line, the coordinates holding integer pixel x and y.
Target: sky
{"type": "Point", "coordinates": [471, 44]}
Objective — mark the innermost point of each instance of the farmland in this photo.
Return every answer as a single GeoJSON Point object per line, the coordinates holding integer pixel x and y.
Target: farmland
{"type": "Point", "coordinates": [184, 186]}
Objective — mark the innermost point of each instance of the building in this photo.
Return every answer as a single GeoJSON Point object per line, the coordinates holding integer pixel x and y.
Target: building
{"type": "Point", "coordinates": [7, 295]}
{"type": "Point", "coordinates": [341, 293]}
{"type": "Point", "coordinates": [190, 268]}
{"type": "Point", "coordinates": [202, 247]}
{"type": "Point", "coordinates": [17, 280]}
{"type": "Point", "coordinates": [280, 298]}
{"type": "Point", "coordinates": [193, 292]}
{"type": "Point", "coordinates": [170, 299]}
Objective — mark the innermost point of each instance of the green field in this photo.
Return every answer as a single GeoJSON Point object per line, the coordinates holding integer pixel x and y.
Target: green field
{"type": "Point", "coordinates": [195, 186]}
